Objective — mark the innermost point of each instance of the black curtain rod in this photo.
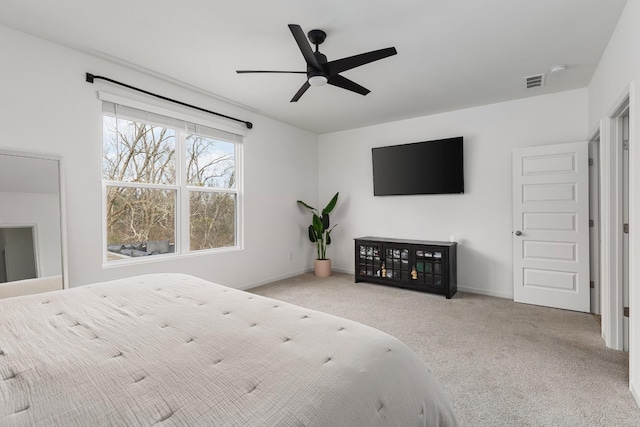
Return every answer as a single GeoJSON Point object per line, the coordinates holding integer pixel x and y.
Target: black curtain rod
{"type": "Point", "coordinates": [91, 78]}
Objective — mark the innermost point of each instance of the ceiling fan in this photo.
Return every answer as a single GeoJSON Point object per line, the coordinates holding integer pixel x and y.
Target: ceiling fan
{"type": "Point", "coordinates": [319, 71]}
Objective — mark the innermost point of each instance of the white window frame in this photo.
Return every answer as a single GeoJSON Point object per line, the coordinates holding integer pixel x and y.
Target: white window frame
{"type": "Point", "coordinates": [182, 209]}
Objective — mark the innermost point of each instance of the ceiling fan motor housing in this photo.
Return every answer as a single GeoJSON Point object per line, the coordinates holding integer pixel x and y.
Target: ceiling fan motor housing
{"type": "Point", "coordinates": [316, 37]}
{"type": "Point", "coordinates": [312, 71]}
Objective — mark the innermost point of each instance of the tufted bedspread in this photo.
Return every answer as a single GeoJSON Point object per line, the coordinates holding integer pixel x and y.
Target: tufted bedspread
{"type": "Point", "coordinates": [175, 350]}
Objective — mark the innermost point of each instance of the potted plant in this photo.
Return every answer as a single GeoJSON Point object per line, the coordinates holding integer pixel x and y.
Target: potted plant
{"type": "Point", "coordinates": [320, 234]}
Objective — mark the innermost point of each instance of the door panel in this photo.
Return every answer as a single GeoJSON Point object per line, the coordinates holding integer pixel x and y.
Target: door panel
{"type": "Point", "coordinates": [549, 221]}
{"type": "Point", "coordinates": [558, 251]}
{"type": "Point", "coordinates": [548, 192]}
{"type": "Point", "coordinates": [549, 279]}
{"type": "Point", "coordinates": [548, 164]}
{"type": "Point", "coordinates": [551, 226]}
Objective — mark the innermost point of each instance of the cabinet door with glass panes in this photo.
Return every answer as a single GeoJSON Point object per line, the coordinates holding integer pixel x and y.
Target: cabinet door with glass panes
{"type": "Point", "coordinates": [369, 259]}
{"type": "Point", "coordinates": [396, 263]}
{"type": "Point", "coordinates": [429, 268]}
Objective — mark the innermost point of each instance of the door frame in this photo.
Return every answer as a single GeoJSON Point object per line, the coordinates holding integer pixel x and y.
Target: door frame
{"type": "Point", "coordinates": [611, 223]}
{"type": "Point", "coordinates": [595, 237]}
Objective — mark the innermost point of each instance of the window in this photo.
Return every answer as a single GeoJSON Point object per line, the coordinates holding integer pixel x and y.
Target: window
{"type": "Point", "coordinates": [170, 186]}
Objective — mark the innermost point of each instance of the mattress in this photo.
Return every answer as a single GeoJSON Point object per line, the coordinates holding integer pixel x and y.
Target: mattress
{"type": "Point", "coordinates": [175, 350]}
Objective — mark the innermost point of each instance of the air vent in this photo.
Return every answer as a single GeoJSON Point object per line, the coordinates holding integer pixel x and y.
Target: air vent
{"type": "Point", "coordinates": [534, 81]}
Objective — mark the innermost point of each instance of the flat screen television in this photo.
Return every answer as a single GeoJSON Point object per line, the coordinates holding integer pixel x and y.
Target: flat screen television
{"type": "Point", "coordinates": [429, 167]}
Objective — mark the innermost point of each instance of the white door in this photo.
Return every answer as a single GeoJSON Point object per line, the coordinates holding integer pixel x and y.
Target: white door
{"type": "Point", "coordinates": [551, 226]}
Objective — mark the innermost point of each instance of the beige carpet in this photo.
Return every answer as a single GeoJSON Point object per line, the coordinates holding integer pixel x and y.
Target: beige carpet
{"type": "Point", "coordinates": [501, 363]}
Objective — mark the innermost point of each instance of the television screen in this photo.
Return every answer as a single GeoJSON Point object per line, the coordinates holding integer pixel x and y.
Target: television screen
{"type": "Point", "coordinates": [430, 167]}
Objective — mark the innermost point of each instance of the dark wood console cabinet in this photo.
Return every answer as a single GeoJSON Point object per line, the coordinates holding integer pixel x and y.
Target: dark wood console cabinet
{"type": "Point", "coordinates": [413, 264]}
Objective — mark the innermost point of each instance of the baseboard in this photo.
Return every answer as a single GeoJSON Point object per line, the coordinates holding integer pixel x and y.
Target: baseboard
{"type": "Point", "coordinates": [634, 393]}
{"type": "Point", "coordinates": [469, 289]}
{"type": "Point", "coordinates": [274, 279]}
{"type": "Point", "coordinates": [487, 292]}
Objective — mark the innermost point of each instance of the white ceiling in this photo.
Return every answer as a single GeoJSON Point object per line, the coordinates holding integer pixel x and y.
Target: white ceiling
{"type": "Point", "coordinates": [452, 54]}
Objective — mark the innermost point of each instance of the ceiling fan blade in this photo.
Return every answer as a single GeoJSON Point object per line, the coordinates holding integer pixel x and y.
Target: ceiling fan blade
{"type": "Point", "coordinates": [304, 46]}
{"type": "Point", "coordinates": [266, 71]}
{"type": "Point", "coordinates": [345, 83]}
{"type": "Point", "coordinates": [344, 64]}
{"type": "Point", "coordinates": [301, 91]}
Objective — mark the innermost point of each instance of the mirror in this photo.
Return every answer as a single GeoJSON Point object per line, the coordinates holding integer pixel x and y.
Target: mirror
{"type": "Point", "coordinates": [30, 224]}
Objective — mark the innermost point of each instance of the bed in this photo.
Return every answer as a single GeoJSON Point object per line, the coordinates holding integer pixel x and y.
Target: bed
{"type": "Point", "coordinates": [175, 350]}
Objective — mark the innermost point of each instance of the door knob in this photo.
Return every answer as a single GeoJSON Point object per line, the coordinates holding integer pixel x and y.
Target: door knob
{"type": "Point", "coordinates": [518, 233]}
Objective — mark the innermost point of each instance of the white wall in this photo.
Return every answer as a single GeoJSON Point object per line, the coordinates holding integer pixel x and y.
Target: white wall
{"type": "Point", "coordinates": [480, 218]}
{"type": "Point", "coordinates": [47, 107]}
{"type": "Point", "coordinates": [618, 71]}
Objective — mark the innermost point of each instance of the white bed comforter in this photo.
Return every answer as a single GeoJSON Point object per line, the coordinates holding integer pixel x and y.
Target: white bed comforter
{"type": "Point", "coordinates": [175, 350]}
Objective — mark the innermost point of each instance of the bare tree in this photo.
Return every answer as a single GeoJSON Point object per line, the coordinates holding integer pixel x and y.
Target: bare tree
{"type": "Point", "coordinates": [140, 153]}
{"type": "Point", "coordinates": [212, 214]}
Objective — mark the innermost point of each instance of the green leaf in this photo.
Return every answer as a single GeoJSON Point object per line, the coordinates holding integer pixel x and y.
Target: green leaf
{"type": "Point", "coordinates": [317, 225]}
{"type": "Point", "coordinates": [312, 234]}
{"type": "Point", "coordinates": [331, 205]}
{"type": "Point", "coordinates": [325, 221]}
{"type": "Point", "coordinates": [328, 234]}
{"type": "Point", "coordinates": [305, 205]}
{"type": "Point", "coordinates": [311, 208]}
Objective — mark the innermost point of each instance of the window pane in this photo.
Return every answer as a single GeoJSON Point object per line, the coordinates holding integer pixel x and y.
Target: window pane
{"type": "Point", "coordinates": [137, 152]}
{"type": "Point", "coordinates": [210, 163]}
{"type": "Point", "coordinates": [140, 222]}
{"type": "Point", "coordinates": [212, 220]}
